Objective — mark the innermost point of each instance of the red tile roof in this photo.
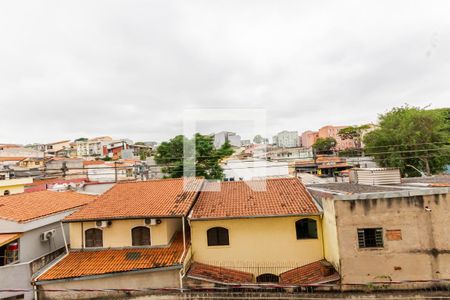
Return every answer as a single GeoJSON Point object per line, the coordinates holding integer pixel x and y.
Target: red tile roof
{"type": "Point", "coordinates": [214, 273]}
{"type": "Point", "coordinates": [93, 162]}
{"type": "Point", "coordinates": [97, 262]}
{"type": "Point", "coordinates": [28, 206]}
{"type": "Point", "coordinates": [152, 198]}
{"type": "Point", "coordinates": [12, 158]}
{"type": "Point", "coordinates": [310, 273]}
{"type": "Point", "coordinates": [236, 199]}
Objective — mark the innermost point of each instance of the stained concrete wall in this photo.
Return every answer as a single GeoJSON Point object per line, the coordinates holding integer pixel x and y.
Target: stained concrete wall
{"type": "Point", "coordinates": [422, 253]}
{"type": "Point", "coordinates": [15, 277]}
{"type": "Point", "coordinates": [158, 279]}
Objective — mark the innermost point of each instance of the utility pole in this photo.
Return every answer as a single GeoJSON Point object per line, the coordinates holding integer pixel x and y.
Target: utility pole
{"type": "Point", "coordinates": [115, 171]}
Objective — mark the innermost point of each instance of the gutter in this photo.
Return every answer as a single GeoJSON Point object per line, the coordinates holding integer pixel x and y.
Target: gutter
{"type": "Point", "coordinates": [256, 217]}
{"type": "Point", "coordinates": [121, 218]}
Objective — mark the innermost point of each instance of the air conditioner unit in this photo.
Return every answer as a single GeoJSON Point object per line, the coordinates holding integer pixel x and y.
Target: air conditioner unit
{"type": "Point", "coordinates": [102, 224]}
{"type": "Point", "coordinates": [48, 235]}
{"type": "Point", "coordinates": [151, 222]}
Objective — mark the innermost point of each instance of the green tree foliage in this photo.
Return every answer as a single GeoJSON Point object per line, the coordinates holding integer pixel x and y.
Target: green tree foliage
{"type": "Point", "coordinates": [258, 139]}
{"type": "Point", "coordinates": [324, 145]}
{"type": "Point", "coordinates": [353, 133]}
{"type": "Point", "coordinates": [411, 138]}
{"type": "Point", "coordinates": [178, 157]}
{"type": "Point", "coordinates": [81, 139]}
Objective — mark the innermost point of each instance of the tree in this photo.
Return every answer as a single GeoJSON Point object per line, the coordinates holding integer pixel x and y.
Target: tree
{"type": "Point", "coordinates": [324, 145]}
{"type": "Point", "coordinates": [179, 158]}
{"type": "Point", "coordinates": [258, 139]}
{"type": "Point", "coordinates": [81, 139]}
{"type": "Point", "coordinates": [411, 138]}
{"type": "Point", "coordinates": [353, 133]}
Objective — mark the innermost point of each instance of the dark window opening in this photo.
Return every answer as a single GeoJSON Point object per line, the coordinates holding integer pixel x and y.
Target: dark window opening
{"type": "Point", "coordinates": [6, 193]}
{"type": "Point", "coordinates": [94, 238]}
{"type": "Point", "coordinates": [267, 277]}
{"type": "Point", "coordinates": [306, 229]}
{"type": "Point", "coordinates": [218, 236]}
{"type": "Point", "coordinates": [370, 237]}
{"type": "Point", "coordinates": [140, 236]}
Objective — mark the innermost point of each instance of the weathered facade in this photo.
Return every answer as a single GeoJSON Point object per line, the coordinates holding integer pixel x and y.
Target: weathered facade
{"type": "Point", "coordinates": [393, 234]}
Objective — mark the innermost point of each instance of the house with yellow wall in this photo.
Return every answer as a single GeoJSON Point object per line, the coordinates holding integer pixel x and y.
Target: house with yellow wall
{"type": "Point", "coordinates": [258, 231]}
{"type": "Point", "coordinates": [11, 186]}
{"type": "Point", "coordinates": [134, 236]}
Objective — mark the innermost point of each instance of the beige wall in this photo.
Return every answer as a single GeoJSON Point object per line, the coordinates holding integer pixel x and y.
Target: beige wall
{"type": "Point", "coordinates": [330, 238]}
{"type": "Point", "coordinates": [421, 254]}
{"type": "Point", "coordinates": [119, 233]}
{"type": "Point", "coordinates": [13, 189]}
{"type": "Point", "coordinates": [257, 245]}
{"type": "Point", "coordinates": [159, 279]}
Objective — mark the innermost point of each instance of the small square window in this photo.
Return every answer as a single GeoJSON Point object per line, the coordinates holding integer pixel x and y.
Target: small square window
{"type": "Point", "coordinates": [370, 237]}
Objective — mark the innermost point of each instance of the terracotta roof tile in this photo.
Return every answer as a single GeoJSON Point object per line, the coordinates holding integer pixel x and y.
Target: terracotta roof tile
{"type": "Point", "coordinates": [282, 196]}
{"type": "Point", "coordinates": [152, 198]}
{"type": "Point", "coordinates": [319, 271]}
{"type": "Point", "coordinates": [97, 262]}
{"type": "Point", "coordinates": [12, 158]}
{"type": "Point", "coordinates": [28, 206]}
{"type": "Point", "coordinates": [93, 162]}
{"type": "Point", "coordinates": [214, 273]}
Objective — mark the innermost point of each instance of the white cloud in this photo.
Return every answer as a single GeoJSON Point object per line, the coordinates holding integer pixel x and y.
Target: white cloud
{"type": "Point", "coordinates": [129, 68]}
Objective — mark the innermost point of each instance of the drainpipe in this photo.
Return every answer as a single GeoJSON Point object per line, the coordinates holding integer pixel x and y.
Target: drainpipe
{"type": "Point", "coordinates": [35, 292]}
{"type": "Point", "coordinates": [184, 236]}
{"type": "Point", "coordinates": [64, 237]}
{"type": "Point", "coordinates": [82, 235]}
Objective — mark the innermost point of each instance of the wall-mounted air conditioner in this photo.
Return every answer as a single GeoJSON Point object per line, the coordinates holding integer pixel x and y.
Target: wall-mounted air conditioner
{"type": "Point", "coordinates": [48, 235]}
{"type": "Point", "coordinates": [103, 224]}
{"type": "Point", "coordinates": [151, 222]}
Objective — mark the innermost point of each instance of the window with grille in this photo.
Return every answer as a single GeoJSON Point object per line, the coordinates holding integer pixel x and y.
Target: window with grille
{"type": "Point", "coordinates": [370, 237]}
{"type": "Point", "coordinates": [218, 236]}
{"type": "Point", "coordinates": [140, 236]}
{"type": "Point", "coordinates": [94, 237]}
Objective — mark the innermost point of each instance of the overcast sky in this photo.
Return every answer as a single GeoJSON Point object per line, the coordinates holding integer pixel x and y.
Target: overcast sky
{"type": "Point", "coordinates": [129, 68]}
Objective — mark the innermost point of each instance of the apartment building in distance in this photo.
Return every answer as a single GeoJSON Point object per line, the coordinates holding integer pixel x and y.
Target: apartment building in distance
{"type": "Point", "coordinates": [92, 147]}
{"type": "Point", "coordinates": [309, 138]}
{"type": "Point", "coordinates": [224, 136]}
{"type": "Point", "coordinates": [286, 139]}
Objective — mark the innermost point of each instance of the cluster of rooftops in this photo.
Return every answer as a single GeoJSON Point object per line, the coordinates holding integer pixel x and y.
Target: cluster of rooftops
{"type": "Point", "coordinates": [190, 198]}
{"type": "Point", "coordinates": [195, 198]}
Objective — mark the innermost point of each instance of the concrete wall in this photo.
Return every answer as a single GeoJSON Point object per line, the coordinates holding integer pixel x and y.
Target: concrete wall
{"type": "Point", "coordinates": [257, 245]}
{"type": "Point", "coordinates": [421, 252]}
{"type": "Point", "coordinates": [119, 233]}
{"type": "Point", "coordinates": [330, 237]}
{"type": "Point", "coordinates": [31, 246]}
{"type": "Point", "coordinates": [16, 276]}
{"type": "Point", "coordinates": [159, 279]}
